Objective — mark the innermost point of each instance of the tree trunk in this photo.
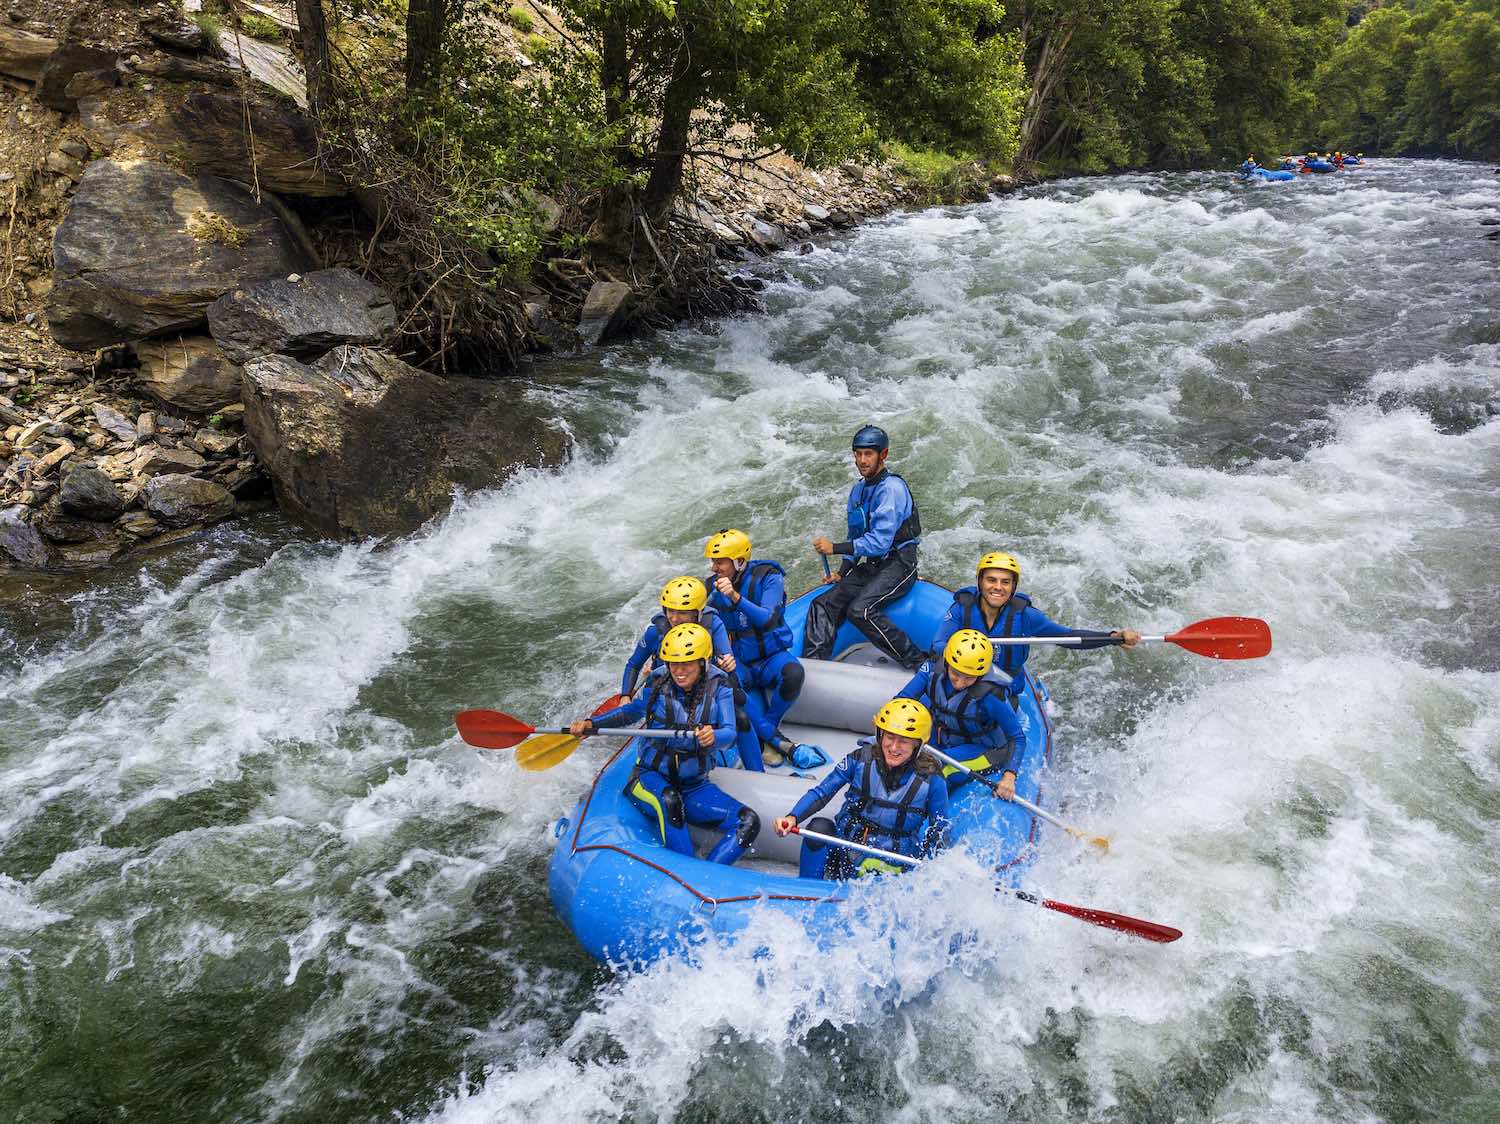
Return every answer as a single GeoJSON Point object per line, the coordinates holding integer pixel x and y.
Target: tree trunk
{"type": "Point", "coordinates": [671, 144]}
{"type": "Point", "coordinates": [314, 34]}
{"type": "Point", "coordinates": [426, 22]}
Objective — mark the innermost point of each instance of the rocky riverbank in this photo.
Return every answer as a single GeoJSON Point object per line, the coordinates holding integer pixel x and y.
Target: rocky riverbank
{"type": "Point", "coordinates": [194, 319]}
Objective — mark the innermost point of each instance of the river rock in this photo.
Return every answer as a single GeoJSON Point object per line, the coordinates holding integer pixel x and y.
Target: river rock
{"type": "Point", "coordinates": [21, 543]}
{"type": "Point", "coordinates": [189, 372]}
{"type": "Point", "coordinates": [178, 500]}
{"type": "Point", "coordinates": [767, 235]}
{"type": "Point", "coordinates": [89, 494]}
{"type": "Point", "coordinates": [144, 250]}
{"type": "Point", "coordinates": [305, 318]}
{"type": "Point", "coordinates": [814, 213]}
{"type": "Point", "coordinates": [605, 311]}
{"type": "Point", "coordinates": [209, 131]}
{"type": "Point", "coordinates": [360, 443]}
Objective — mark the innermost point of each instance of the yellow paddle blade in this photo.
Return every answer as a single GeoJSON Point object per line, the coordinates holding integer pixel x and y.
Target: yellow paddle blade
{"type": "Point", "coordinates": [1084, 837]}
{"type": "Point", "coordinates": [545, 750]}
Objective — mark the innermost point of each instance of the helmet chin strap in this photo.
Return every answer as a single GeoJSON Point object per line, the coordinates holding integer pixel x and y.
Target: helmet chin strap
{"type": "Point", "coordinates": [740, 564]}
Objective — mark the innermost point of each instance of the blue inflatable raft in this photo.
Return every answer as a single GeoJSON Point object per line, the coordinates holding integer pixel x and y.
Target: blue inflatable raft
{"type": "Point", "coordinates": [630, 900]}
{"type": "Point", "coordinates": [1268, 174]}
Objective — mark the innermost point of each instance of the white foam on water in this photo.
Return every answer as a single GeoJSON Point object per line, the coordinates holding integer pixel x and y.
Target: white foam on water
{"type": "Point", "coordinates": [1310, 820]}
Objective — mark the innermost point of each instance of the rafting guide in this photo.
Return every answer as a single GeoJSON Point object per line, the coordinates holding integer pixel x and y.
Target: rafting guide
{"type": "Point", "coordinates": [879, 558]}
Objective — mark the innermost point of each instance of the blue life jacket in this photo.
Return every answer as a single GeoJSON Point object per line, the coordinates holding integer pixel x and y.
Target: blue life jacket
{"type": "Point", "coordinates": [884, 816]}
{"type": "Point", "coordinates": [866, 495]}
{"type": "Point", "coordinates": [668, 709]}
{"type": "Point", "coordinates": [1009, 658]}
{"type": "Point", "coordinates": [650, 642]}
{"type": "Point", "coordinates": [957, 715]}
{"type": "Point", "coordinates": [751, 643]}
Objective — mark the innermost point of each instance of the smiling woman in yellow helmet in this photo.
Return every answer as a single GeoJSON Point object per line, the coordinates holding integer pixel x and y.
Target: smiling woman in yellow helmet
{"type": "Point", "coordinates": [896, 799]}
{"type": "Point", "coordinates": [996, 608]}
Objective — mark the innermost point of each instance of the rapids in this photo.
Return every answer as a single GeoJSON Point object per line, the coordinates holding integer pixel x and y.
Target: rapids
{"type": "Point", "coordinates": [248, 871]}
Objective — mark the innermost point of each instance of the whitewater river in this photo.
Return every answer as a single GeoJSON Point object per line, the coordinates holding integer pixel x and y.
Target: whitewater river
{"type": "Point", "coordinates": [248, 872]}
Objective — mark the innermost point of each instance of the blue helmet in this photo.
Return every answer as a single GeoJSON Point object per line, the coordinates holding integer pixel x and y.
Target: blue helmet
{"type": "Point", "coordinates": [871, 437]}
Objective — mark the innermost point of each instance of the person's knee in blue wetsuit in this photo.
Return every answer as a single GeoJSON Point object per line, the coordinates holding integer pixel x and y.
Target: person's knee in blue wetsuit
{"type": "Point", "coordinates": [895, 800]}
{"type": "Point", "coordinates": [670, 783]}
{"type": "Point", "coordinates": [750, 595]}
{"type": "Point", "coordinates": [995, 607]}
{"type": "Point", "coordinates": [684, 600]}
{"type": "Point", "coordinates": [879, 558]}
{"type": "Point", "coordinates": [973, 719]}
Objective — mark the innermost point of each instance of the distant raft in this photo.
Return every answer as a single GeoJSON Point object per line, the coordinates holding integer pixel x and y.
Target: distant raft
{"type": "Point", "coordinates": [1267, 174]}
{"type": "Point", "coordinates": [631, 900]}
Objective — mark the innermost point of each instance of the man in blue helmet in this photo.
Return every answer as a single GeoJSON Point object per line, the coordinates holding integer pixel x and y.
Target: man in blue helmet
{"type": "Point", "coordinates": [879, 558]}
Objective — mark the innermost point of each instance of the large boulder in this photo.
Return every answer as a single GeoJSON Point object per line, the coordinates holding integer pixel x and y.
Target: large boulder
{"type": "Point", "coordinates": [360, 443]}
{"type": "Point", "coordinates": [189, 372]}
{"type": "Point", "coordinates": [144, 250]}
{"type": "Point", "coordinates": [69, 60]}
{"type": "Point", "coordinates": [304, 317]}
{"type": "Point", "coordinates": [178, 500]}
{"type": "Point", "coordinates": [208, 132]}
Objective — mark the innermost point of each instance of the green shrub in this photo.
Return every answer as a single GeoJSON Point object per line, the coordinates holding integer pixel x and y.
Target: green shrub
{"type": "Point", "coordinates": [260, 27]}
{"type": "Point", "coordinates": [520, 18]}
{"type": "Point", "coordinates": [537, 45]}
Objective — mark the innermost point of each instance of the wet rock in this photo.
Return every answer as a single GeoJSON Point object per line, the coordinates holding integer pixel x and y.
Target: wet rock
{"type": "Point", "coordinates": [551, 334]}
{"type": "Point", "coordinates": [58, 526]}
{"type": "Point", "coordinates": [209, 130]}
{"type": "Point", "coordinates": [24, 53]}
{"type": "Point", "coordinates": [89, 494]}
{"type": "Point", "coordinates": [138, 524]}
{"type": "Point", "coordinates": [21, 544]}
{"type": "Point", "coordinates": [144, 250]}
{"type": "Point", "coordinates": [190, 373]}
{"type": "Point", "coordinates": [360, 443]}
{"type": "Point", "coordinates": [116, 423]}
{"type": "Point", "coordinates": [606, 311]}
{"type": "Point", "coordinates": [179, 500]}
{"type": "Point", "coordinates": [768, 236]}
{"type": "Point", "coordinates": [306, 318]}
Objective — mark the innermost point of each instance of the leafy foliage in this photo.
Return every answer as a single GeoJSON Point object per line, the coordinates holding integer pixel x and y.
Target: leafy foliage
{"type": "Point", "coordinates": [1423, 79]}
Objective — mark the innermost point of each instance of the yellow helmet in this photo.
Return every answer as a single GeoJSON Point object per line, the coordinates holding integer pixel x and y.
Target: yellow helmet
{"type": "Point", "coordinates": [999, 560]}
{"type": "Point", "coordinates": [686, 643]}
{"type": "Point", "coordinates": [728, 544]}
{"type": "Point", "coordinates": [906, 717]}
{"type": "Point", "coordinates": [969, 652]}
{"type": "Point", "coordinates": [684, 593]}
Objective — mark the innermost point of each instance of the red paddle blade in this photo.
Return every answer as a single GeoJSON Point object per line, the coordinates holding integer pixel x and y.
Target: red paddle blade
{"type": "Point", "coordinates": [1148, 929]}
{"type": "Point", "coordinates": [490, 729]}
{"type": "Point", "coordinates": [1226, 638]}
{"type": "Point", "coordinates": [608, 704]}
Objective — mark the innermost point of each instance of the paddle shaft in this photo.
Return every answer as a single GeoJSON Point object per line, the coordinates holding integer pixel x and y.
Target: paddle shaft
{"type": "Point", "coordinates": [615, 732]}
{"type": "Point", "coordinates": [1135, 926]}
{"type": "Point", "coordinates": [1019, 801]}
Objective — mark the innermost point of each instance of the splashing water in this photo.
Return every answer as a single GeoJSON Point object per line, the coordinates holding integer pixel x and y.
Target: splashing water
{"type": "Point", "coordinates": [247, 871]}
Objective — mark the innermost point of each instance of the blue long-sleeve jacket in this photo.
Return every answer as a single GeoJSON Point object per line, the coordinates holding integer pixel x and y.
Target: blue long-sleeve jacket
{"type": "Point", "coordinates": [680, 759]}
{"type": "Point", "coordinates": [755, 624]}
{"type": "Point", "coordinates": [926, 833]}
{"type": "Point", "coordinates": [1017, 617]}
{"type": "Point", "coordinates": [650, 643]}
{"type": "Point", "coordinates": [969, 722]}
{"type": "Point", "coordinates": [882, 516]}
